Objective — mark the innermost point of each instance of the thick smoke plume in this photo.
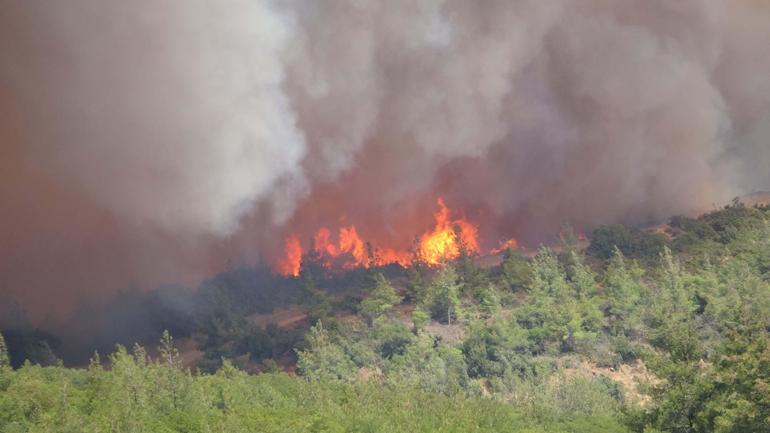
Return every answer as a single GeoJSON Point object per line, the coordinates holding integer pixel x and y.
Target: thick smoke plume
{"type": "Point", "coordinates": [147, 141]}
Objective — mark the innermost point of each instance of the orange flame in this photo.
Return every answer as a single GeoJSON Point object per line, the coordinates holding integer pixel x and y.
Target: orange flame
{"type": "Point", "coordinates": [510, 243]}
{"type": "Point", "coordinates": [291, 264]}
{"type": "Point", "coordinates": [444, 242]}
{"type": "Point", "coordinates": [387, 256]}
{"type": "Point", "coordinates": [351, 243]}
{"type": "Point", "coordinates": [323, 244]}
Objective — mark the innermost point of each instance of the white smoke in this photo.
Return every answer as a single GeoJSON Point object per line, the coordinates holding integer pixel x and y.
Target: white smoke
{"type": "Point", "coordinates": [171, 113]}
{"type": "Point", "coordinates": [188, 114]}
{"type": "Point", "coordinates": [242, 119]}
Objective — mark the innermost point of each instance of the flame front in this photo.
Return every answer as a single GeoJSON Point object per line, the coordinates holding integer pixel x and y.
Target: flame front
{"type": "Point", "coordinates": [292, 261]}
{"type": "Point", "coordinates": [444, 242]}
{"type": "Point", "coordinates": [509, 244]}
{"type": "Point", "coordinates": [448, 238]}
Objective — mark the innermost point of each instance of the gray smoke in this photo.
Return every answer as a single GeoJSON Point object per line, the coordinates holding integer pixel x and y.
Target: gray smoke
{"type": "Point", "coordinates": [199, 131]}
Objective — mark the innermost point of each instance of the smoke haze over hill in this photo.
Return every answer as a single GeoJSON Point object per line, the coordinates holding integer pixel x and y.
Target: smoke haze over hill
{"type": "Point", "coordinates": [147, 142]}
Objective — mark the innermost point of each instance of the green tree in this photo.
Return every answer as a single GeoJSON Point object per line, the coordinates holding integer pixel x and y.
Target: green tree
{"type": "Point", "coordinates": [444, 298]}
{"type": "Point", "coordinates": [548, 276]}
{"type": "Point", "coordinates": [623, 291]}
{"type": "Point", "coordinates": [560, 314]}
{"type": "Point", "coordinates": [732, 395]}
{"type": "Point", "coordinates": [739, 383]}
{"type": "Point", "coordinates": [582, 278]}
{"type": "Point", "coordinates": [515, 270]}
{"type": "Point", "coordinates": [671, 318]}
{"type": "Point", "coordinates": [430, 366]}
{"type": "Point", "coordinates": [170, 382]}
{"type": "Point", "coordinates": [420, 318]}
{"type": "Point", "coordinates": [5, 365]}
{"type": "Point", "coordinates": [381, 300]}
{"type": "Point", "coordinates": [631, 241]}
{"type": "Point", "coordinates": [417, 282]}
{"type": "Point", "coordinates": [324, 359]}
{"type": "Point", "coordinates": [489, 299]}
{"type": "Point", "coordinates": [605, 239]}
{"type": "Point", "coordinates": [168, 352]}
{"type": "Point", "coordinates": [5, 362]}
{"type": "Point", "coordinates": [472, 276]}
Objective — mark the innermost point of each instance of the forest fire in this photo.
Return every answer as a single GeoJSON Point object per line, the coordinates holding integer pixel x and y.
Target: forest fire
{"type": "Point", "coordinates": [445, 241]}
{"type": "Point", "coordinates": [508, 244]}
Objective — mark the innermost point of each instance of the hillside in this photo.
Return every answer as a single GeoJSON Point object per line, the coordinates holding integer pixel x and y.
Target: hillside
{"type": "Point", "coordinates": [630, 331]}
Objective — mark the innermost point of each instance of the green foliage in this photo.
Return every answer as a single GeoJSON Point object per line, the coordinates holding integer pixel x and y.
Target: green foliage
{"type": "Point", "coordinates": [224, 334]}
{"type": "Point", "coordinates": [429, 366]}
{"type": "Point", "coordinates": [562, 315]}
{"type": "Point", "coordinates": [470, 274]}
{"type": "Point", "coordinates": [690, 232]}
{"type": "Point", "coordinates": [443, 297]}
{"type": "Point", "coordinates": [128, 398]}
{"type": "Point", "coordinates": [497, 349]}
{"type": "Point", "coordinates": [566, 396]}
{"type": "Point", "coordinates": [623, 293]}
{"type": "Point", "coordinates": [5, 362]}
{"type": "Point", "coordinates": [381, 300]}
{"type": "Point", "coordinates": [5, 365]}
{"type": "Point", "coordinates": [739, 382]}
{"type": "Point", "coordinates": [729, 396]}
{"type": "Point", "coordinates": [324, 359]}
{"type": "Point", "coordinates": [420, 318]}
{"type": "Point", "coordinates": [671, 318]}
{"type": "Point", "coordinates": [528, 351]}
{"type": "Point", "coordinates": [734, 219]}
{"type": "Point", "coordinates": [548, 276]}
{"type": "Point", "coordinates": [489, 300]}
{"type": "Point", "coordinates": [390, 337]}
{"type": "Point", "coordinates": [515, 270]}
{"type": "Point", "coordinates": [417, 276]}
{"type": "Point", "coordinates": [631, 242]}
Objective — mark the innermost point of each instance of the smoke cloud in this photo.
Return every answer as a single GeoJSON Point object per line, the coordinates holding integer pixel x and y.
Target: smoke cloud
{"type": "Point", "coordinates": [145, 142]}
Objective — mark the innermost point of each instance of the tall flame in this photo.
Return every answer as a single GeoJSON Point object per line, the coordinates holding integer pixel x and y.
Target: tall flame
{"type": "Point", "coordinates": [292, 261]}
{"type": "Point", "coordinates": [448, 238]}
{"type": "Point", "coordinates": [444, 242]}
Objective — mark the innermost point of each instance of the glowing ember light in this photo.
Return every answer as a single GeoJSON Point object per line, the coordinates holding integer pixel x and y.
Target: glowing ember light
{"type": "Point", "coordinates": [448, 238]}
{"type": "Point", "coordinates": [444, 242]}
{"type": "Point", "coordinates": [323, 244]}
{"type": "Point", "coordinates": [351, 243]}
{"type": "Point", "coordinates": [387, 256]}
{"type": "Point", "coordinates": [510, 243]}
{"type": "Point", "coordinates": [293, 260]}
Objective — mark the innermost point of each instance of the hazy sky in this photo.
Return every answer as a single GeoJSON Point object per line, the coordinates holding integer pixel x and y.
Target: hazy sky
{"type": "Point", "coordinates": [144, 142]}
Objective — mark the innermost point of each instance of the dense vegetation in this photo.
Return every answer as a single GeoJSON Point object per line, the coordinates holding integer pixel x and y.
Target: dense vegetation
{"type": "Point", "coordinates": [640, 331]}
{"type": "Point", "coordinates": [137, 395]}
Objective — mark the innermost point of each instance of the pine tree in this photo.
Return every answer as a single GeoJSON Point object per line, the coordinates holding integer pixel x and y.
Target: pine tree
{"type": "Point", "coordinates": [672, 320]}
{"type": "Point", "coordinates": [516, 272]}
{"type": "Point", "coordinates": [583, 280]}
{"type": "Point", "coordinates": [5, 365]}
{"type": "Point", "coordinates": [623, 291]}
{"type": "Point", "coordinates": [5, 362]}
{"type": "Point", "coordinates": [168, 353]}
{"type": "Point", "coordinates": [548, 277]}
{"type": "Point", "coordinates": [382, 299]}
{"type": "Point", "coordinates": [324, 359]}
{"type": "Point", "coordinates": [445, 295]}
